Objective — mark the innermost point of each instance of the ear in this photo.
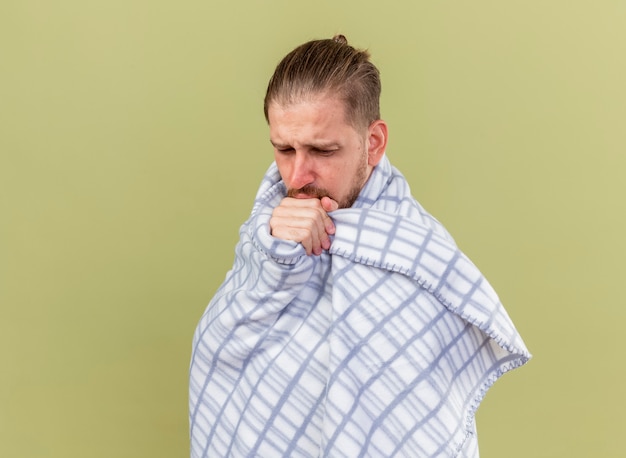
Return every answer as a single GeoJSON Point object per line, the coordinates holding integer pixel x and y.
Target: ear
{"type": "Point", "coordinates": [377, 142]}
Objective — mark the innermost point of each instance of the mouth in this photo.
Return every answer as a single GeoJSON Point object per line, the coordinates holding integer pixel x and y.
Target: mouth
{"type": "Point", "coordinates": [305, 195]}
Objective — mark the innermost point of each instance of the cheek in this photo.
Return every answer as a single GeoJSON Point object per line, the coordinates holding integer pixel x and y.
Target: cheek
{"type": "Point", "coordinates": [342, 176]}
{"type": "Point", "coordinates": [283, 165]}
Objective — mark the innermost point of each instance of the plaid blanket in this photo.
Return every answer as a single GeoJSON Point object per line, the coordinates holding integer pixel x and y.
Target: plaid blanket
{"type": "Point", "coordinates": [383, 346]}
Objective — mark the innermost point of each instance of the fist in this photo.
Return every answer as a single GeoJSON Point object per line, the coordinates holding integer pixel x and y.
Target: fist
{"type": "Point", "coordinates": [305, 221]}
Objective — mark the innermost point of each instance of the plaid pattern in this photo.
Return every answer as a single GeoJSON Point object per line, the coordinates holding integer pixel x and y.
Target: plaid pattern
{"type": "Point", "coordinates": [384, 346]}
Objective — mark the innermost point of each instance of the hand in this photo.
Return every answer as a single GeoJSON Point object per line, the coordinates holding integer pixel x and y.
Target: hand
{"type": "Point", "coordinates": [305, 221]}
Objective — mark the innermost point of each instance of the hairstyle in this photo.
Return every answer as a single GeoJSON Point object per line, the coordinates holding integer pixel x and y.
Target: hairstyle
{"type": "Point", "coordinates": [328, 66]}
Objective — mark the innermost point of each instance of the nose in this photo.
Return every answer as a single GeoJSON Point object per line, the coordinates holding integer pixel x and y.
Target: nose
{"type": "Point", "coordinates": [302, 170]}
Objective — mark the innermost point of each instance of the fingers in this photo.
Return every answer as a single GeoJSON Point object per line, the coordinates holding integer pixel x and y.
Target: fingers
{"type": "Point", "coordinates": [329, 205]}
{"type": "Point", "coordinates": [299, 230]}
{"type": "Point", "coordinates": [305, 221]}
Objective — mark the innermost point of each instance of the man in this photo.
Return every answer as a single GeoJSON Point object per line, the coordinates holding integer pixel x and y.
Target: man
{"type": "Point", "coordinates": [350, 323]}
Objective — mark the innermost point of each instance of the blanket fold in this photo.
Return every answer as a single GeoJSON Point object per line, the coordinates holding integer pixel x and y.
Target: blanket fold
{"type": "Point", "coordinates": [383, 346]}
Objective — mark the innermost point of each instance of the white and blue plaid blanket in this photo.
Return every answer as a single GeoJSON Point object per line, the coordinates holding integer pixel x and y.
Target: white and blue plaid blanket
{"type": "Point", "coordinates": [384, 346]}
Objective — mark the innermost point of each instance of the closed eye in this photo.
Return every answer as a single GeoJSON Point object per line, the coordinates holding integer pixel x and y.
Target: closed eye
{"type": "Point", "coordinates": [324, 152]}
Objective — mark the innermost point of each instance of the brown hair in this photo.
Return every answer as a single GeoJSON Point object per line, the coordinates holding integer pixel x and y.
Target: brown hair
{"type": "Point", "coordinates": [320, 66]}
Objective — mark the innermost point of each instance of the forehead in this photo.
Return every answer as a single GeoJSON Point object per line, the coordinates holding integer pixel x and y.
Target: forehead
{"type": "Point", "coordinates": [318, 116]}
{"type": "Point", "coordinates": [322, 105]}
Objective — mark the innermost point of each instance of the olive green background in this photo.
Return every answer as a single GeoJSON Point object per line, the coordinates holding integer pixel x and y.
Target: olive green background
{"type": "Point", "coordinates": [132, 142]}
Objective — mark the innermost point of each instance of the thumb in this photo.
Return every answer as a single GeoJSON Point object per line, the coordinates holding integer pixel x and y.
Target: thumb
{"type": "Point", "coordinates": [329, 204]}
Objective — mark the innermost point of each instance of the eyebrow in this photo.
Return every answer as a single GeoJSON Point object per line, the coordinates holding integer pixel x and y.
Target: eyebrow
{"type": "Point", "coordinates": [318, 146]}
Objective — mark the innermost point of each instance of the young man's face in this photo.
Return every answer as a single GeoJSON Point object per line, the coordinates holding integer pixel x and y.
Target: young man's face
{"type": "Point", "coordinates": [317, 152]}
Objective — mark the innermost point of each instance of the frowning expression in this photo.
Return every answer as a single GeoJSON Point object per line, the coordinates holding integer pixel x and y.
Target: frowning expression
{"type": "Point", "coordinates": [318, 152]}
